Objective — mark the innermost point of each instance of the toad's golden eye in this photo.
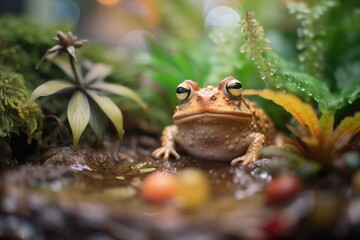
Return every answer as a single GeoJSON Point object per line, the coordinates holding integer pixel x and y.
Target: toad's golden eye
{"type": "Point", "coordinates": [234, 88]}
{"type": "Point", "coordinates": [183, 91]}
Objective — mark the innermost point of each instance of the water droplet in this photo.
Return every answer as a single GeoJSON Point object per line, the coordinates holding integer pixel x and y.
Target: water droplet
{"type": "Point", "coordinates": [268, 62]}
{"type": "Point", "coordinates": [314, 48]}
{"type": "Point", "coordinates": [306, 32]}
{"type": "Point", "coordinates": [243, 48]}
{"type": "Point", "coordinates": [300, 45]}
{"type": "Point", "coordinates": [267, 40]}
{"type": "Point", "coordinates": [300, 33]}
{"type": "Point", "coordinates": [302, 58]}
{"type": "Point", "coordinates": [263, 76]}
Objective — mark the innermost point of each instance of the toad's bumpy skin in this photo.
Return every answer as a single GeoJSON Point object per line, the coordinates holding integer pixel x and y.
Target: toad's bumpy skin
{"type": "Point", "coordinates": [216, 124]}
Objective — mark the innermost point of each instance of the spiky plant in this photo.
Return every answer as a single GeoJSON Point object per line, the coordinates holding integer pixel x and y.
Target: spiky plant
{"type": "Point", "coordinates": [88, 105]}
{"type": "Point", "coordinates": [317, 139]}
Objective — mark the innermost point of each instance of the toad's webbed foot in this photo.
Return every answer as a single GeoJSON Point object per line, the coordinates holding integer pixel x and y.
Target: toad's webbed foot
{"type": "Point", "coordinates": [245, 159]}
{"type": "Point", "coordinates": [167, 148]}
{"type": "Point", "coordinates": [252, 153]}
{"type": "Point", "coordinates": [165, 153]}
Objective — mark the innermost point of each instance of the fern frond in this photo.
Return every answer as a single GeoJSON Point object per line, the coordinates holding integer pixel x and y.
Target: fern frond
{"type": "Point", "coordinates": [278, 74]}
{"type": "Point", "coordinates": [258, 47]}
{"type": "Point", "coordinates": [224, 55]}
{"type": "Point", "coordinates": [348, 95]}
{"type": "Point", "coordinates": [310, 86]}
{"type": "Point", "coordinates": [310, 32]}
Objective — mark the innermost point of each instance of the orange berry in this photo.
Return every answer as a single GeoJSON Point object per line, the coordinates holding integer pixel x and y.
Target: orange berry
{"type": "Point", "coordinates": [159, 187]}
{"type": "Point", "coordinates": [194, 188]}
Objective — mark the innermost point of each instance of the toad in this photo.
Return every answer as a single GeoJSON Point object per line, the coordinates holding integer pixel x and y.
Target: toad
{"type": "Point", "coordinates": [216, 124]}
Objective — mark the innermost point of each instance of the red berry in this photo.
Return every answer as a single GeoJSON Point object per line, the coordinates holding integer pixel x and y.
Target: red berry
{"type": "Point", "coordinates": [283, 187]}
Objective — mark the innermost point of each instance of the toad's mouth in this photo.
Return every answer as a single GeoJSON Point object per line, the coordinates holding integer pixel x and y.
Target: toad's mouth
{"type": "Point", "coordinates": [210, 115]}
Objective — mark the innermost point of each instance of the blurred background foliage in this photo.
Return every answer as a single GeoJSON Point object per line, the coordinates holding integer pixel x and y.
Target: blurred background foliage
{"type": "Point", "coordinates": [153, 45]}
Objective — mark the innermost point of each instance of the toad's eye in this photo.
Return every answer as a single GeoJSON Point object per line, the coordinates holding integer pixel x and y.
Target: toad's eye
{"type": "Point", "coordinates": [234, 88]}
{"type": "Point", "coordinates": [183, 91]}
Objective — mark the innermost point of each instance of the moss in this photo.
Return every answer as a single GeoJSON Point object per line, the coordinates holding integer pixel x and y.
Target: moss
{"type": "Point", "coordinates": [13, 117]}
{"type": "Point", "coordinates": [22, 43]}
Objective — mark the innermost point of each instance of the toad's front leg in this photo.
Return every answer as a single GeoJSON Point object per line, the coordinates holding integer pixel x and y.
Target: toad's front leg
{"type": "Point", "coordinates": [167, 148]}
{"type": "Point", "coordinates": [252, 153]}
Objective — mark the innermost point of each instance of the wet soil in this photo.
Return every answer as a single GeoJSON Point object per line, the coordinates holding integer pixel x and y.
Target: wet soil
{"type": "Point", "coordinates": [94, 194]}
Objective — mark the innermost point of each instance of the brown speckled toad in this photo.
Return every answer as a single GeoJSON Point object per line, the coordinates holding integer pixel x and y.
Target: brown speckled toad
{"type": "Point", "coordinates": [216, 124]}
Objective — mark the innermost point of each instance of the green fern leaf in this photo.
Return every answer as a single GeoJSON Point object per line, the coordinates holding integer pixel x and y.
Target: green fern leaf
{"type": "Point", "coordinates": [258, 48]}
{"type": "Point", "coordinates": [311, 30]}
{"type": "Point", "coordinates": [349, 95]}
{"type": "Point", "coordinates": [310, 86]}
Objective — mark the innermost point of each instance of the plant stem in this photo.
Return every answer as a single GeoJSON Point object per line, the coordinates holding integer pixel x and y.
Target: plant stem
{"type": "Point", "coordinates": [76, 75]}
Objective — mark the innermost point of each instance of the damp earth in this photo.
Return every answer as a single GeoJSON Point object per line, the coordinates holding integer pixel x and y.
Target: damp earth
{"type": "Point", "coordinates": [93, 193]}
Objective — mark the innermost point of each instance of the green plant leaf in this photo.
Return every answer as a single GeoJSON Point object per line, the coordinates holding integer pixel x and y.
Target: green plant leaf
{"type": "Point", "coordinates": [119, 90]}
{"type": "Point", "coordinates": [258, 46]}
{"type": "Point", "coordinates": [349, 94]}
{"type": "Point", "coordinates": [111, 111]}
{"type": "Point", "coordinates": [286, 152]}
{"type": "Point", "coordinates": [327, 124]}
{"type": "Point", "coordinates": [97, 122]}
{"type": "Point", "coordinates": [311, 33]}
{"type": "Point", "coordinates": [344, 132]}
{"type": "Point", "coordinates": [79, 115]}
{"type": "Point", "coordinates": [97, 72]}
{"type": "Point", "coordinates": [48, 88]}
{"type": "Point", "coordinates": [303, 112]}
{"type": "Point", "coordinates": [311, 86]}
{"type": "Point", "coordinates": [64, 65]}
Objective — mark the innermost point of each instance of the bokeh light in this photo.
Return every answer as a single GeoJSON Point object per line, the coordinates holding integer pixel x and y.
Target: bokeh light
{"type": "Point", "coordinates": [211, 4]}
{"type": "Point", "coordinates": [136, 39]}
{"type": "Point", "coordinates": [67, 10]}
{"type": "Point", "coordinates": [108, 2]}
{"type": "Point", "coordinates": [222, 17]}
